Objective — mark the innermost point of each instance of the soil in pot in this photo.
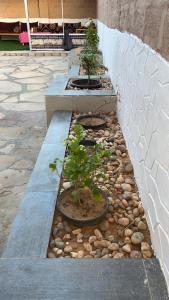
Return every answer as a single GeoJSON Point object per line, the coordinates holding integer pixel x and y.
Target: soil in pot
{"type": "Point", "coordinates": [92, 121]}
{"type": "Point", "coordinates": [86, 83]}
{"type": "Point", "coordinates": [84, 211]}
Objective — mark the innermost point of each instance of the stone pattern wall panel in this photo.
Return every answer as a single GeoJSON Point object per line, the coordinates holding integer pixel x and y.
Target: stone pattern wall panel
{"type": "Point", "coordinates": [147, 19]}
{"type": "Point", "coordinates": [141, 78]}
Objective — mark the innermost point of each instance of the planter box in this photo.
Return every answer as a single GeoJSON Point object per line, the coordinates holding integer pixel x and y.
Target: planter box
{"type": "Point", "coordinates": [26, 273]}
{"type": "Point", "coordinates": [58, 98]}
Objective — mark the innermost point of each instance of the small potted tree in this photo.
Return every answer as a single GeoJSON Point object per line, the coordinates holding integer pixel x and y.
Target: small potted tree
{"type": "Point", "coordinates": [89, 58]}
{"type": "Point", "coordinates": [83, 203]}
{"type": "Point", "coordinates": [90, 61]}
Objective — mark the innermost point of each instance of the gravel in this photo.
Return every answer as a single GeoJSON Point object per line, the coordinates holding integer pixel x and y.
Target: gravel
{"type": "Point", "coordinates": [124, 230]}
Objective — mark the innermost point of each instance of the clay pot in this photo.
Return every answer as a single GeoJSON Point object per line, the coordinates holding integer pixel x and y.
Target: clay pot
{"type": "Point", "coordinates": [92, 121]}
{"type": "Point", "coordinates": [75, 214]}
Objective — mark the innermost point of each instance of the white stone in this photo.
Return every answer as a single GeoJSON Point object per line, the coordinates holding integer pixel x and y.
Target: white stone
{"type": "Point", "coordinates": [3, 77]}
{"type": "Point", "coordinates": [3, 97]}
{"type": "Point", "coordinates": [32, 97]}
{"type": "Point", "coordinates": [35, 87]}
{"type": "Point", "coordinates": [23, 106]}
{"type": "Point", "coordinates": [29, 74]}
{"type": "Point", "coordinates": [66, 185]}
{"type": "Point", "coordinates": [11, 100]}
{"type": "Point", "coordinates": [23, 164]}
{"type": "Point", "coordinates": [10, 132]}
{"type": "Point", "coordinates": [12, 177]}
{"type": "Point", "coordinates": [127, 248]}
{"type": "Point", "coordinates": [7, 149]}
{"type": "Point", "coordinates": [2, 116]}
{"type": "Point", "coordinates": [6, 161]}
{"type": "Point", "coordinates": [9, 86]}
{"type": "Point", "coordinates": [33, 80]}
{"type": "Point", "coordinates": [28, 68]}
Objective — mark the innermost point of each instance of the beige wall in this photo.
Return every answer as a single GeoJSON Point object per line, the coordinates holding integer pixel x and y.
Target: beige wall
{"type": "Point", "coordinates": [148, 19]}
{"type": "Point", "coordinates": [80, 8]}
{"type": "Point", "coordinates": [11, 9]}
{"type": "Point", "coordinates": [73, 9]}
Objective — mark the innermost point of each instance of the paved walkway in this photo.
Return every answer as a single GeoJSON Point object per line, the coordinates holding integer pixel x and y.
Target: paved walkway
{"type": "Point", "coordinates": [22, 126]}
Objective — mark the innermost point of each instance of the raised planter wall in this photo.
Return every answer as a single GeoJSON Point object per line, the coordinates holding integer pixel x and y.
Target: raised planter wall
{"type": "Point", "coordinates": [58, 98]}
{"type": "Point", "coordinates": [141, 78]}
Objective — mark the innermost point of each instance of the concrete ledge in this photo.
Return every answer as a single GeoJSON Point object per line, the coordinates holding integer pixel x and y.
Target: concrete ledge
{"type": "Point", "coordinates": [74, 70]}
{"type": "Point", "coordinates": [34, 53]}
{"type": "Point", "coordinates": [83, 279]}
{"type": "Point", "coordinates": [58, 98]}
{"type": "Point", "coordinates": [30, 231]}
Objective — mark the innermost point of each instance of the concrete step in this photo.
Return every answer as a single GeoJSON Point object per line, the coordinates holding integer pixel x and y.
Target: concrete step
{"type": "Point", "coordinates": [83, 279]}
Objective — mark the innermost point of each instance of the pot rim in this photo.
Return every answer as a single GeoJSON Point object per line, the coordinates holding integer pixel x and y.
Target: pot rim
{"type": "Point", "coordinates": [86, 116]}
{"type": "Point", "coordinates": [96, 83]}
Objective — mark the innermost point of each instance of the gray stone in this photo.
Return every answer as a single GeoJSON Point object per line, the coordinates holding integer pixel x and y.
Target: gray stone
{"type": "Point", "coordinates": [59, 244]}
{"type": "Point", "coordinates": [137, 238]}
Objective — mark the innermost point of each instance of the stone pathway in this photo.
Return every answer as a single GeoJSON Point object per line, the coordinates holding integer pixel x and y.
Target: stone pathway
{"type": "Point", "coordinates": [23, 81]}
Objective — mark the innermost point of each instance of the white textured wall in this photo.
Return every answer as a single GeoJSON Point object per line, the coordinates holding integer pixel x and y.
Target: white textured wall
{"type": "Point", "coordinates": [141, 78]}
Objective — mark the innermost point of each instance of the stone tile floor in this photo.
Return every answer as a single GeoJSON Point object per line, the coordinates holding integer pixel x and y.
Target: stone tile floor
{"type": "Point", "coordinates": [23, 81]}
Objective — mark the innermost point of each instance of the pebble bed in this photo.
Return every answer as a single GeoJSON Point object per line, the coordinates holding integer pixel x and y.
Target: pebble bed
{"type": "Point", "coordinates": [123, 233]}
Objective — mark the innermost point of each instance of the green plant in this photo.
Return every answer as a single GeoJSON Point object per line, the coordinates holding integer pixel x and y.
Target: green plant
{"type": "Point", "coordinates": [89, 56]}
{"type": "Point", "coordinates": [90, 63]}
{"type": "Point", "coordinates": [80, 166]}
{"type": "Point", "coordinates": [92, 39]}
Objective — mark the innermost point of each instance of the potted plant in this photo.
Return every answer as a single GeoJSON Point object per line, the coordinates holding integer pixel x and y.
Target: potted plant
{"type": "Point", "coordinates": [89, 58]}
{"type": "Point", "coordinates": [83, 203]}
{"type": "Point", "coordinates": [90, 61]}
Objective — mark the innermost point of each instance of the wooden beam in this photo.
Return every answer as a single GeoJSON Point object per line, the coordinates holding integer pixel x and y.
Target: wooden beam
{"type": "Point", "coordinates": [62, 6]}
{"type": "Point", "coordinates": [27, 21]}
